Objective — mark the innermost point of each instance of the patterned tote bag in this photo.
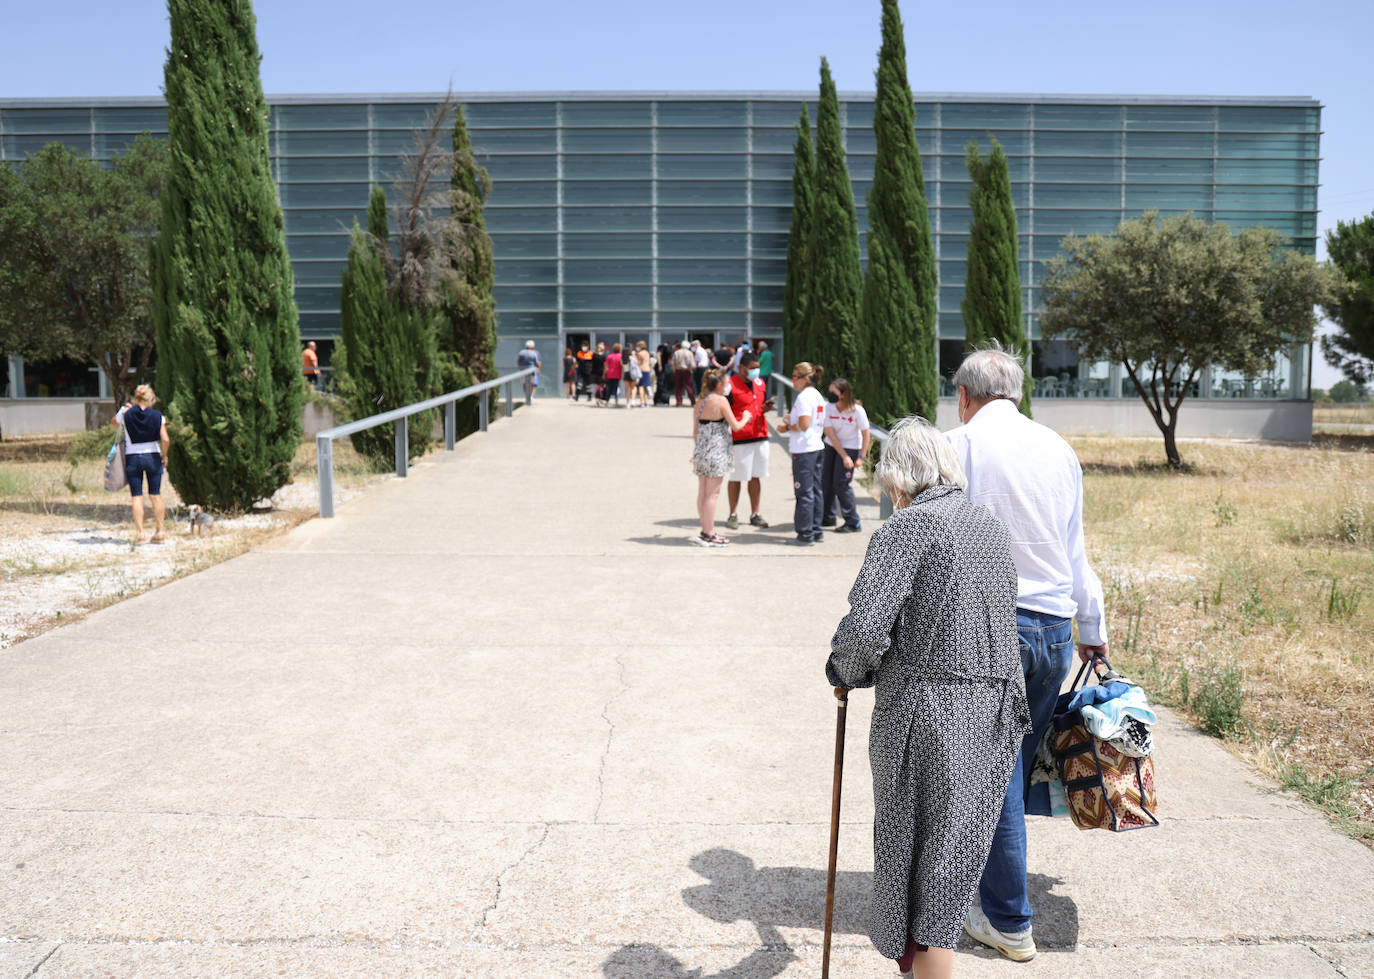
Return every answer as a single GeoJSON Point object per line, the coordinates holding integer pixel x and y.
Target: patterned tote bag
{"type": "Point", "coordinates": [1106, 788]}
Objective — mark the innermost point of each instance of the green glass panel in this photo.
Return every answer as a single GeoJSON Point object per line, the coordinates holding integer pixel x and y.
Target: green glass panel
{"type": "Point", "coordinates": [950, 326]}
{"type": "Point", "coordinates": [520, 218]}
{"type": "Point", "coordinates": [955, 218]}
{"type": "Point", "coordinates": [606, 218]}
{"type": "Point", "coordinates": [770, 271]}
{"type": "Point", "coordinates": [672, 113]}
{"type": "Point", "coordinates": [856, 115]}
{"type": "Point", "coordinates": [1049, 221]}
{"type": "Point", "coordinates": [772, 218]}
{"type": "Point", "coordinates": [21, 147]}
{"type": "Point", "coordinates": [23, 122]}
{"type": "Point", "coordinates": [860, 167]}
{"type": "Point", "coordinates": [718, 318]}
{"type": "Point", "coordinates": [681, 271]}
{"type": "Point", "coordinates": [607, 141]}
{"type": "Point", "coordinates": [524, 192]}
{"type": "Point", "coordinates": [322, 143]}
{"type": "Point", "coordinates": [590, 114]}
{"type": "Point", "coordinates": [131, 119]}
{"type": "Point", "coordinates": [1013, 143]}
{"type": "Point", "coordinates": [603, 167]}
{"type": "Point", "coordinates": [324, 221]}
{"type": "Point", "coordinates": [1172, 118]}
{"type": "Point", "coordinates": [317, 246]}
{"type": "Point", "coordinates": [703, 192]}
{"type": "Point", "coordinates": [1079, 195]}
{"type": "Point", "coordinates": [953, 273]}
{"type": "Point", "coordinates": [688, 245]}
{"type": "Point", "coordinates": [517, 167]}
{"type": "Point", "coordinates": [604, 244]}
{"type": "Point", "coordinates": [526, 323]}
{"type": "Point", "coordinates": [953, 244]}
{"type": "Point", "coordinates": [1044, 247]}
{"type": "Point", "coordinates": [497, 141]}
{"type": "Point", "coordinates": [1267, 171]}
{"type": "Point", "coordinates": [514, 273]}
{"type": "Point", "coordinates": [526, 297]}
{"type": "Point", "coordinates": [702, 297]}
{"type": "Point", "coordinates": [776, 192]}
{"type": "Point", "coordinates": [1270, 146]}
{"type": "Point", "coordinates": [767, 297]}
{"type": "Point", "coordinates": [324, 195]}
{"type": "Point", "coordinates": [1169, 144]}
{"type": "Point", "coordinates": [393, 142]}
{"type": "Point", "coordinates": [401, 115]}
{"type": "Point", "coordinates": [1081, 169]}
{"type": "Point", "coordinates": [291, 117]}
{"type": "Point", "coordinates": [860, 141]}
{"type": "Point", "coordinates": [963, 115]}
{"type": "Point", "coordinates": [1078, 144]}
{"type": "Point", "coordinates": [350, 169]}
{"type": "Point", "coordinates": [605, 322]}
{"type": "Point", "coordinates": [593, 271]}
{"type": "Point", "coordinates": [1267, 198]}
{"type": "Point", "coordinates": [318, 298]}
{"type": "Point", "coordinates": [317, 272]}
{"type": "Point", "coordinates": [950, 298]}
{"type": "Point", "coordinates": [607, 297]}
{"type": "Point", "coordinates": [782, 114]}
{"type": "Point", "coordinates": [1081, 117]}
{"type": "Point", "coordinates": [774, 140]}
{"type": "Point", "coordinates": [108, 145]}
{"type": "Point", "coordinates": [607, 192]}
{"type": "Point", "coordinates": [702, 218]}
{"type": "Point", "coordinates": [1168, 171]}
{"type": "Point", "coordinates": [524, 246]}
{"type": "Point", "coordinates": [701, 140]}
{"type": "Point", "coordinates": [770, 244]}
{"type": "Point", "coordinates": [692, 167]}
{"type": "Point", "coordinates": [1285, 223]}
{"type": "Point", "coordinates": [1168, 197]}
{"type": "Point", "coordinates": [319, 326]}
{"type": "Point", "coordinates": [772, 166]}
{"type": "Point", "coordinates": [1269, 119]}
{"type": "Point", "coordinates": [495, 115]}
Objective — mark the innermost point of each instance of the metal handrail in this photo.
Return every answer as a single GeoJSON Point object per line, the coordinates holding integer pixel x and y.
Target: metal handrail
{"type": "Point", "coordinates": [874, 431]}
{"type": "Point", "coordinates": [324, 440]}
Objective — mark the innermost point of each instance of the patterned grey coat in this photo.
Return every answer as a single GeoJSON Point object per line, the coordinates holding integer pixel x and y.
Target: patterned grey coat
{"type": "Point", "coordinates": [932, 625]}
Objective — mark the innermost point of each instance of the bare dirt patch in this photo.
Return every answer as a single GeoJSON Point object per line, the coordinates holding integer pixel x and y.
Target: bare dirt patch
{"type": "Point", "coordinates": [65, 544]}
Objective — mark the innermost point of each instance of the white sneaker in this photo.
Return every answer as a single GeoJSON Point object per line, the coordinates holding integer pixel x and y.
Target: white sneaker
{"type": "Point", "coordinates": [1019, 947]}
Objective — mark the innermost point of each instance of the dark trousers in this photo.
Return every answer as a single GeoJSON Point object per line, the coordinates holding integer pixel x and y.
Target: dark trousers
{"type": "Point", "coordinates": [584, 383]}
{"type": "Point", "coordinates": [697, 374]}
{"type": "Point", "coordinates": [837, 487]}
{"type": "Point", "coordinates": [682, 381]}
{"type": "Point", "coordinates": [806, 480]}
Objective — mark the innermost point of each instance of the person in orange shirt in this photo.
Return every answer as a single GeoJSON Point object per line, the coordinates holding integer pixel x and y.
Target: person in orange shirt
{"type": "Point", "coordinates": [310, 362]}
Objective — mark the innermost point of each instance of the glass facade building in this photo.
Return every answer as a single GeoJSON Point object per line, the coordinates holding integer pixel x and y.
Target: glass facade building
{"type": "Point", "coordinates": [663, 215]}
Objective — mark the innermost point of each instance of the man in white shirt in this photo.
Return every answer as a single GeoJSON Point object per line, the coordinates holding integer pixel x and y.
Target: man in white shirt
{"type": "Point", "coordinates": [1030, 478]}
{"type": "Point", "coordinates": [701, 361]}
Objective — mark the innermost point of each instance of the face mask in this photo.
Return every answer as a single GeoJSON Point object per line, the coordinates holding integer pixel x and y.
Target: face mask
{"type": "Point", "coordinates": [584, 348]}
{"type": "Point", "coordinates": [832, 397]}
{"type": "Point", "coordinates": [753, 374]}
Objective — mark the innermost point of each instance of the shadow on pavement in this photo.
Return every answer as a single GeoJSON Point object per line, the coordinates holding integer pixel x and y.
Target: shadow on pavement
{"type": "Point", "coordinates": [794, 897]}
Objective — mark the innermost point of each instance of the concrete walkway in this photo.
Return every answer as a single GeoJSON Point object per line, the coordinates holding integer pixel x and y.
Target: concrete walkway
{"type": "Point", "coordinates": [501, 719]}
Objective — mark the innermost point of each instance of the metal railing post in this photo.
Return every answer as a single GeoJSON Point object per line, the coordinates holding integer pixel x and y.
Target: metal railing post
{"type": "Point", "coordinates": [450, 425]}
{"type": "Point", "coordinates": [484, 410]}
{"type": "Point", "coordinates": [528, 383]}
{"type": "Point", "coordinates": [324, 462]}
{"type": "Point", "coordinates": [510, 397]}
{"type": "Point", "coordinates": [403, 446]}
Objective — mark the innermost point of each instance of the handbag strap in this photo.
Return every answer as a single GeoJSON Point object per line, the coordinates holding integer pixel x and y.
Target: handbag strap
{"type": "Point", "coordinates": [1080, 680]}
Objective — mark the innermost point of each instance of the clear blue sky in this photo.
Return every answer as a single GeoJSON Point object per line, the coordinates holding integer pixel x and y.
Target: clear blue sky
{"type": "Point", "coordinates": [1170, 47]}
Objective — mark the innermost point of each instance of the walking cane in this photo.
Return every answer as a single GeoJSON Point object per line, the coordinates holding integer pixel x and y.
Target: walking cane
{"type": "Point", "coordinates": [842, 695]}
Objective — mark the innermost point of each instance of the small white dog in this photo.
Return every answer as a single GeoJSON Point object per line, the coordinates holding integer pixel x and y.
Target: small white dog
{"type": "Point", "coordinates": [197, 520]}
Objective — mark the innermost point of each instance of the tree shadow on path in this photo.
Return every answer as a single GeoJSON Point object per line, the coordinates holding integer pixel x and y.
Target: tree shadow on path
{"type": "Point", "coordinates": [771, 898]}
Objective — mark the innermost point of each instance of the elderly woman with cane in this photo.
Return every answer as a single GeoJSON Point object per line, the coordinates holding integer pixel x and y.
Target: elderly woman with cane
{"type": "Point", "coordinates": [932, 627]}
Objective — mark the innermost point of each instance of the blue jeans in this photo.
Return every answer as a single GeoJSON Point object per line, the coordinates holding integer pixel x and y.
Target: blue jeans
{"type": "Point", "coordinates": [1046, 656]}
{"type": "Point", "coordinates": [139, 464]}
{"type": "Point", "coordinates": [806, 480]}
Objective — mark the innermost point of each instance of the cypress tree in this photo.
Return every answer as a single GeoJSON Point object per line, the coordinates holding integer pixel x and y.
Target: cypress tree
{"type": "Point", "coordinates": [833, 307]}
{"type": "Point", "coordinates": [992, 295]}
{"type": "Point", "coordinates": [901, 289]}
{"type": "Point", "coordinates": [388, 356]}
{"type": "Point", "coordinates": [468, 340]}
{"type": "Point", "coordinates": [228, 340]}
{"type": "Point", "coordinates": [796, 291]}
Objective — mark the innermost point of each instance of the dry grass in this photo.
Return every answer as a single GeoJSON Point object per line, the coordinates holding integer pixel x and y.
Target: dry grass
{"type": "Point", "coordinates": [65, 544]}
{"type": "Point", "coordinates": [1242, 591]}
{"type": "Point", "coordinates": [1350, 419]}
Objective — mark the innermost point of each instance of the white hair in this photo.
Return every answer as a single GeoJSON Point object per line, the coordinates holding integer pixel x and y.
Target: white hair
{"type": "Point", "coordinates": [916, 457]}
{"type": "Point", "coordinates": [529, 344]}
{"type": "Point", "coordinates": [992, 372]}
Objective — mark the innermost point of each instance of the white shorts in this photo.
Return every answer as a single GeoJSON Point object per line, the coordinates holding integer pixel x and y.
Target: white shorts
{"type": "Point", "coordinates": [751, 461]}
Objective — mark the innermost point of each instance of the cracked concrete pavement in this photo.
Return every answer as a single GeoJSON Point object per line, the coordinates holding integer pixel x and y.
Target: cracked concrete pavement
{"type": "Point", "coordinates": [501, 718]}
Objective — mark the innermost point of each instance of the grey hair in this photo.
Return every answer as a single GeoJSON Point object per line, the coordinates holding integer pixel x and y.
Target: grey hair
{"type": "Point", "coordinates": [916, 456]}
{"type": "Point", "coordinates": [991, 372]}
{"type": "Point", "coordinates": [529, 344]}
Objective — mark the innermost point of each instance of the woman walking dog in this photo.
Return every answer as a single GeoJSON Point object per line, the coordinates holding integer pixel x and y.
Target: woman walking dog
{"type": "Point", "coordinates": [145, 454]}
{"type": "Point", "coordinates": [932, 627]}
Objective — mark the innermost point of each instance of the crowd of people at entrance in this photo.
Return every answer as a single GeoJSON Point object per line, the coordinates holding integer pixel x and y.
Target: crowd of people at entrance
{"type": "Point", "coordinates": [667, 375]}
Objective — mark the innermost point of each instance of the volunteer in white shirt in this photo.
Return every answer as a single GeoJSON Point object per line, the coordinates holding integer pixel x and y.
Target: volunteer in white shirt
{"type": "Point", "coordinates": [846, 446]}
{"type": "Point", "coordinates": [1030, 478]}
{"type": "Point", "coordinates": [805, 427]}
